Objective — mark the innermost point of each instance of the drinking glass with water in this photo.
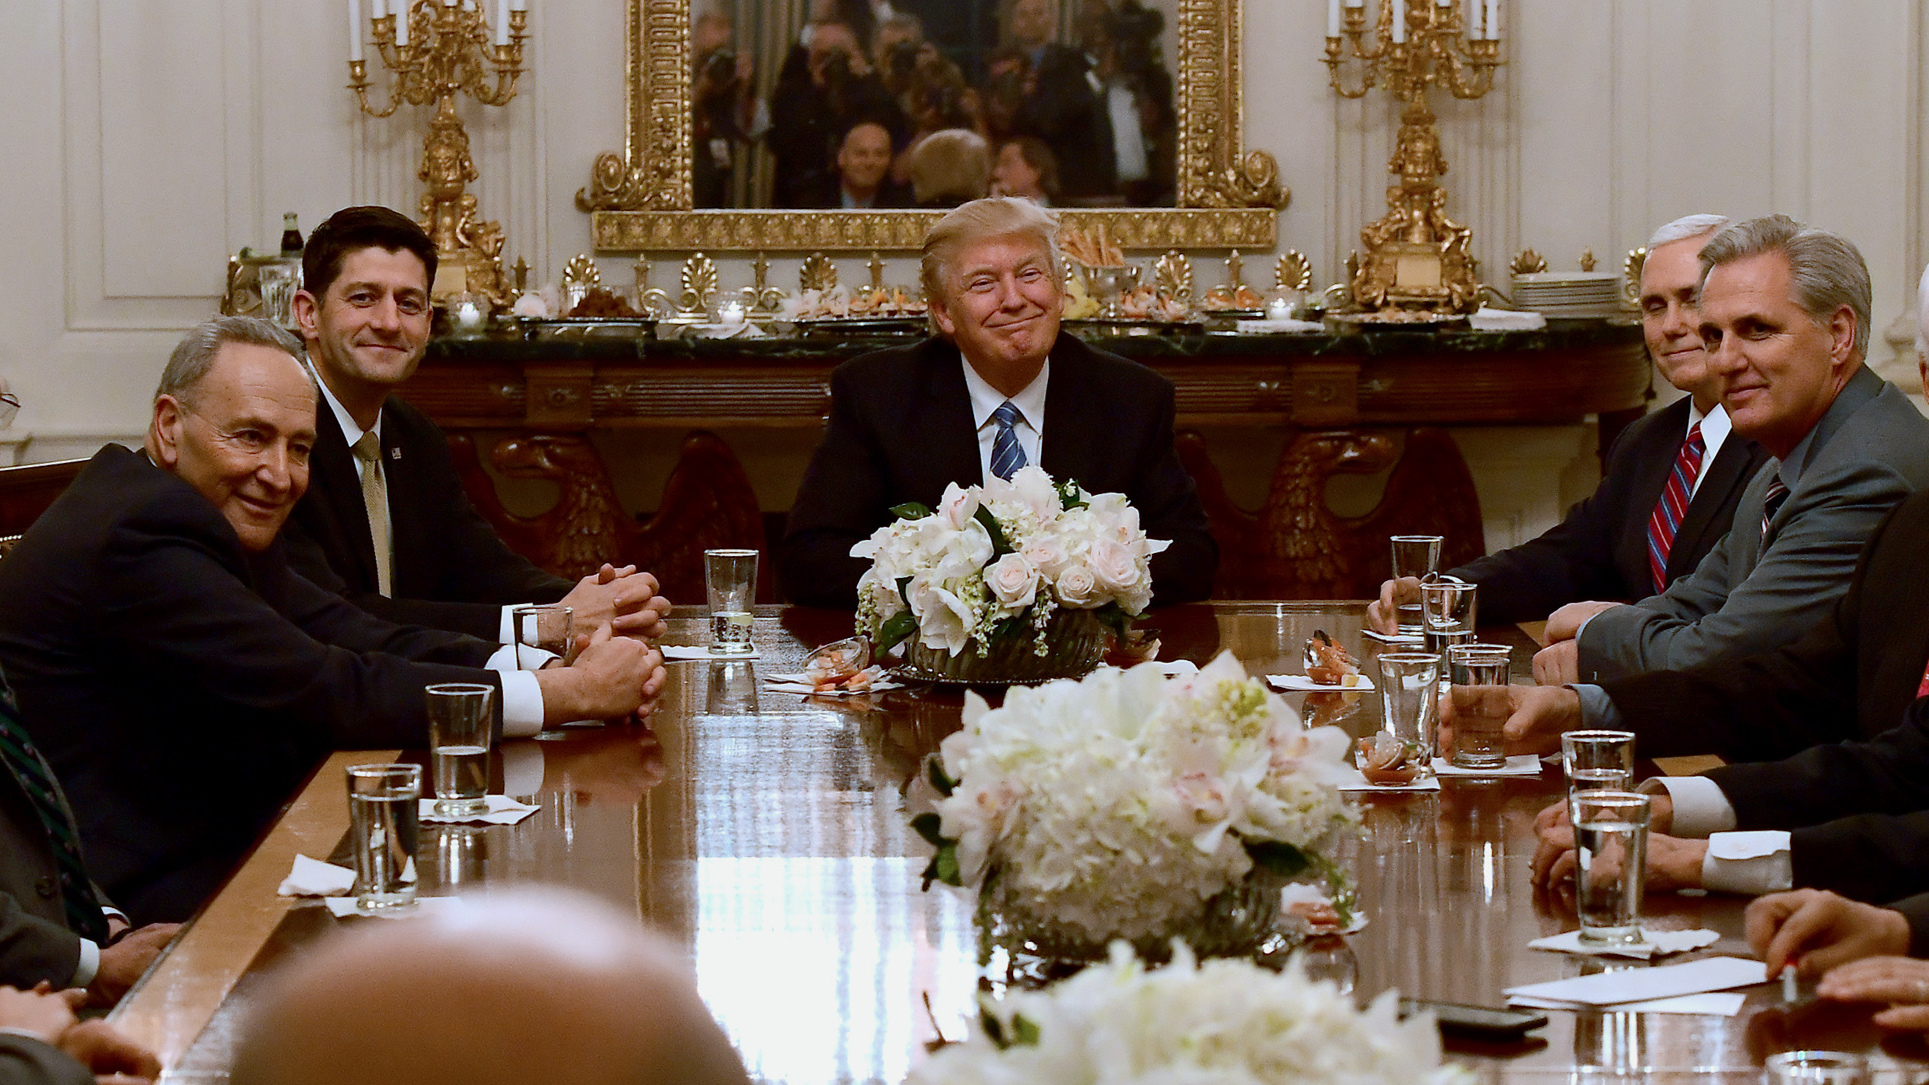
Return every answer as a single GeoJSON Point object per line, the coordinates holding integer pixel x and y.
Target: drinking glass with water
{"type": "Point", "coordinates": [1611, 849]}
{"type": "Point", "coordinates": [730, 581]}
{"type": "Point", "coordinates": [1478, 692]}
{"type": "Point", "coordinates": [1417, 556]}
{"type": "Point", "coordinates": [461, 723]}
{"type": "Point", "coordinates": [383, 807]}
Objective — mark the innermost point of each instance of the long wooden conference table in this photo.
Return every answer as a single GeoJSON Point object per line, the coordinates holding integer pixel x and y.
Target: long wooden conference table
{"type": "Point", "coordinates": [766, 833]}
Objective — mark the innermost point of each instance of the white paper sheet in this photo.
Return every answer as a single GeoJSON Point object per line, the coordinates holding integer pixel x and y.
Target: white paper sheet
{"type": "Point", "coordinates": [1646, 984]}
{"type": "Point", "coordinates": [1719, 1004]}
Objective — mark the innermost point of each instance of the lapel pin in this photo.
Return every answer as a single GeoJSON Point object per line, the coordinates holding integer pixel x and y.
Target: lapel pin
{"type": "Point", "coordinates": [395, 453]}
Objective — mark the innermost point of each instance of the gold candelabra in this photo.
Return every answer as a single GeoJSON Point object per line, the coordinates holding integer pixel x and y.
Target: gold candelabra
{"type": "Point", "coordinates": [438, 49]}
{"type": "Point", "coordinates": [1416, 257]}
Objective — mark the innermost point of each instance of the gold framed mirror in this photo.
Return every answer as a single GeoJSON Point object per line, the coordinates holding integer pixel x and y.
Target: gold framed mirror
{"type": "Point", "coordinates": [642, 198]}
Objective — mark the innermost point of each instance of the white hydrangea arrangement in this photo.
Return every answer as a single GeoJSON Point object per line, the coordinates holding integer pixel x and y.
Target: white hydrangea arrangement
{"type": "Point", "coordinates": [1221, 1021]}
{"type": "Point", "coordinates": [1117, 806]}
{"type": "Point", "coordinates": [995, 561]}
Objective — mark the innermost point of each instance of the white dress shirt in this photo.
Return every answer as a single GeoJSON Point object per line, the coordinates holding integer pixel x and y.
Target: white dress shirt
{"type": "Point", "coordinates": [522, 695]}
{"type": "Point", "coordinates": [1030, 427]}
{"type": "Point", "coordinates": [1737, 862]}
{"type": "Point", "coordinates": [1715, 428]}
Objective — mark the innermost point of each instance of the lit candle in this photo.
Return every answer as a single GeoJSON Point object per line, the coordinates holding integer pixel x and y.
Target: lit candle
{"type": "Point", "coordinates": [502, 22]}
{"type": "Point", "coordinates": [402, 21]}
{"type": "Point", "coordinates": [355, 29]}
{"type": "Point", "coordinates": [1399, 21]}
{"type": "Point", "coordinates": [732, 312]}
{"type": "Point", "coordinates": [1492, 29]}
{"type": "Point", "coordinates": [1332, 18]}
{"type": "Point", "coordinates": [518, 5]}
{"type": "Point", "coordinates": [1473, 19]}
{"type": "Point", "coordinates": [1279, 309]}
{"type": "Point", "coordinates": [1355, 3]}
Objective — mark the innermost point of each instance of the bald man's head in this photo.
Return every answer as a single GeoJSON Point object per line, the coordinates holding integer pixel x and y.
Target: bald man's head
{"type": "Point", "coordinates": [528, 986]}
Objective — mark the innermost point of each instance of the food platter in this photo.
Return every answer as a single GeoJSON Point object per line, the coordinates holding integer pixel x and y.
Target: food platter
{"type": "Point", "coordinates": [1096, 328]}
{"type": "Point", "coordinates": [588, 327]}
{"type": "Point", "coordinates": [862, 325]}
{"type": "Point", "coordinates": [1394, 320]}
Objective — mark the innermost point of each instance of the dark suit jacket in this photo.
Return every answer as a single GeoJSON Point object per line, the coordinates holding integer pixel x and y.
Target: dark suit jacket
{"type": "Point", "coordinates": [1600, 551]}
{"type": "Point", "coordinates": [1852, 675]}
{"type": "Point", "coordinates": [900, 429]}
{"type": "Point", "coordinates": [182, 686]}
{"type": "Point", "coordinates": [451, 571]}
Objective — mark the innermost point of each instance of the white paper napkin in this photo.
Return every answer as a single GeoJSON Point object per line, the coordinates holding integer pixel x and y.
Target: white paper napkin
{"type": "Point", "coordinates": [1173, 668]}
{"type": "Point", "coordinates": [1647, 984]}
{"type": "Point", "coordinates": [1349, 683]}
{"type": "Point", "coordinates": [1520, 764]}
{"type": "Point", "coordinates": [342, 907]}
{"type": "Point", "coordinates": [1658, 944]}
{"type": "Point", "coordinates": [314, 878]}
{"type": "Point", "coordinates": [1715, 1004]}
{"type": "Point", "coordinates": [502, 810]}
{"type": "Point", "coordinates": [696, 651]}
{"type": "Point", "coordinates": [797, 683]}
{"type": "Point", "coordinates": [1506, 320]}
{"type": "Point", "coordinates": [1393, 638]}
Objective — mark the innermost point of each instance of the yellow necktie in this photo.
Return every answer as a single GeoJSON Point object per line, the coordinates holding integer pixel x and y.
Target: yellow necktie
{"type": "Point", "coordinates": [375, 501]}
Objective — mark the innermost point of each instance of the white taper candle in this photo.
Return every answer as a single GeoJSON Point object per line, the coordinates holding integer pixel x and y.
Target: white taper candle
{"type": "Point", "coordinates": [354, 29]}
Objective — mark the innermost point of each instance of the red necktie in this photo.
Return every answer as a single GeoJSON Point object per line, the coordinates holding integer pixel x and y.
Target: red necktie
{"type": "Point", "coordinates": [1673, 506]}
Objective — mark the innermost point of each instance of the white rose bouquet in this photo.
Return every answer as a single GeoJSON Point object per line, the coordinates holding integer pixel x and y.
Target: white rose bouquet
{"type": "Point", "coordinates": [1220, 1021]}
{"type": "Point", "coordinates": [1123, 805]}
{"type": "Point", "coordinates": [994, 563]}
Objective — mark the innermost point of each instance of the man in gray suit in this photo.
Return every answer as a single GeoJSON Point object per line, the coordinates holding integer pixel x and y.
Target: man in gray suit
{"type": "Point", "coordinates": [1785, 321]}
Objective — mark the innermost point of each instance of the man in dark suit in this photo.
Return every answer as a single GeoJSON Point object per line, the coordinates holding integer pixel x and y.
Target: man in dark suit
{"type": "Point", "coordinates": [906, 422]}
{"type": "Point", "coordinates": [1633, 537]}
{"type": "Point", "coordinates": [55, 924]}
{"type": "Point", "coordinates": [181, 679]}
{"type": "Point", "coordinates": [1064, 104]}
{"type": "Point", "coordinates": [385, 522]}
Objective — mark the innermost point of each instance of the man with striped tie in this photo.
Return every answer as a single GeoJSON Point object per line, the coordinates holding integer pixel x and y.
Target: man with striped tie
{"type": "Point", "coordinates": [1671, 480]}
{"type": "Point", "coordinates": [1785, 314]}
{"type": "Point", "coordinates": [55, 924]}
{"type": "Point", "coordinates": [997, 388]}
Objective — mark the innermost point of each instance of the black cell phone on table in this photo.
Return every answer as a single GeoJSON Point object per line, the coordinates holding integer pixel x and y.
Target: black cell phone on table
{"type": "Point", "coordinates": [1477, 1022]}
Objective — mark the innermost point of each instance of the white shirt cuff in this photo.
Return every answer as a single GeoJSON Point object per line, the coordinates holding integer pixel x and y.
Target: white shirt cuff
{"type": "Point", "coordinates": [89, 966]}
{"type": "Point", "coordinates": [1700, 808]}
{"type": "Point", "coordinates": [1752, 862]}
{"type": "Point", "coordinates": [522, 704]}
{"type": "Point", "coordinates": [506, 632]}
{"type": "Point", "coordinates": [512, 657]}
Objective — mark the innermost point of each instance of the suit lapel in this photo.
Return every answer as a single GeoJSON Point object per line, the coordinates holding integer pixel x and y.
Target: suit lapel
{"type": "Point", "coordinates": [1063, 454]}
{"type": "Point", "coordinates": [950, 438]}
{"type": "Point", "coordinates": [339, 485]}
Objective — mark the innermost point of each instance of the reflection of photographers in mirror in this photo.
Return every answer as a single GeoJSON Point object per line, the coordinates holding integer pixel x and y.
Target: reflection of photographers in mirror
{"type": "Point", "coordinates": [951, 166]}
{"type": "Point", "coordinates": [827, 87]}
{"type": "Point", "coordinates": [863, 171]}
{"type": "Point", "coordinates": [725, 115]}
{"type": "Point", "coordinates": [1086, 79]}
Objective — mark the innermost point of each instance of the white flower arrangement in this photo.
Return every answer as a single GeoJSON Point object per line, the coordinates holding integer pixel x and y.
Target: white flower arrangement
{"type": "Point", "coordinates": [1120, 804]}
{"type": "Point", "coordinates": [1221, 1021]}
{"type": "Point", "coordinates": [995, 561]}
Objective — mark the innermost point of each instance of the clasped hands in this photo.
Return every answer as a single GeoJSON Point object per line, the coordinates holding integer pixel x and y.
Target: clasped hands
{"type": "Point", "coordinates": [616, 671]}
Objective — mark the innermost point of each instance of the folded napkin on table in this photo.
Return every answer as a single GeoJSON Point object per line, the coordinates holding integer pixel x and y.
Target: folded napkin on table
{"type": "Point", "coordinates": [1351, 683]}
{"type": "Point", "coordinates": [502, 810]}
{"type": "Point", "coordinates": [343, 907]}
{"type": "Point", "coordinates": [1520, 764]}
{"type": "Point", "coordinates": [314, 878]}
{"type": "Point", "coordinates": [1657, 944]}
{"type": "Point", "coordinates": [1506, 320]}
{"type": "Point", "coordinates": [696, 651]}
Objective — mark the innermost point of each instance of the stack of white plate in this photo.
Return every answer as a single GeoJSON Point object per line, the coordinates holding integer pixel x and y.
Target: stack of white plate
{"type": "Point", "coordinates": [1569, 294]}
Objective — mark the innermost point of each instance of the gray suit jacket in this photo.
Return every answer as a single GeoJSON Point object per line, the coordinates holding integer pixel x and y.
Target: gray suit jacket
{"type": "Point", "coordinates": [1869, 451]}
{"type": "Point", "coordinates": [26, 1061]}
{"type": "Point", "coordinates": [35, 943]}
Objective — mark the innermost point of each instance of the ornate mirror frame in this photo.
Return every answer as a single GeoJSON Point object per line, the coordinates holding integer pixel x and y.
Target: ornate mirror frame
{"type": "Point", "coordinates": [641, 199]}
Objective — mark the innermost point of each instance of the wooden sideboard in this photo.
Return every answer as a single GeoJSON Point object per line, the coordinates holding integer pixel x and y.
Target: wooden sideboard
{"type": "Point", "coordinates": [1348, 402]}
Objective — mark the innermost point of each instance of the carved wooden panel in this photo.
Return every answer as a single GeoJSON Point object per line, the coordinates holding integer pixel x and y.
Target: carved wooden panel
{"type": "Point", "coordinates": [1296, 547]}
{"type": "Point", "coordinates": [707, 503]}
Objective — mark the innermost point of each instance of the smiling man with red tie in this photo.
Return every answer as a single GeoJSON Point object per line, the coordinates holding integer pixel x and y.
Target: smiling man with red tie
{"type": "Point", "coordinates": [971, 402]}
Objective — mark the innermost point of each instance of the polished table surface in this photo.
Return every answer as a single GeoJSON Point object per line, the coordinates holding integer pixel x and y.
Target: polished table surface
{"type": "Point", "coordinates": [766, 833]}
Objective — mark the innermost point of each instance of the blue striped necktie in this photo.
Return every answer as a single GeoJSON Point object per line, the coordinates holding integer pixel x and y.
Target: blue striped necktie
{"type": "Point", "coordinates": [36, 778]}
{"type": "Point", "coordinates": [1006, 456]}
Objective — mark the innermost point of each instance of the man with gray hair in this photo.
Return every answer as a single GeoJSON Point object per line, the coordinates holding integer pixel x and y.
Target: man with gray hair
{"type": "Point", "coordinates": [1785, 320]}
{"type": "Point", "coordinates": [1671, 482]}
{"type": "Point", "coordinates": [971, 402]}
{"type": "Point", "coordinates": [532, 985]}
{"type": "Point", "coordinates": [180, 679]}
